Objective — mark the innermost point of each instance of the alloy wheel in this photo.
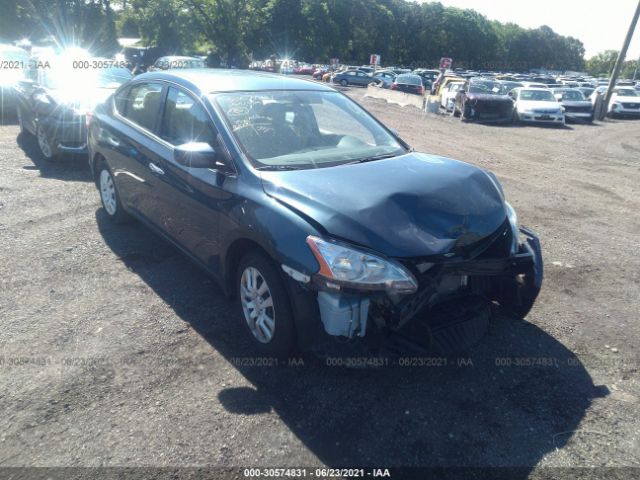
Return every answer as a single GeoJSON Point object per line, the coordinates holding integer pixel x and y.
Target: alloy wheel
{"type": "Point", "coordinates": [43, 143]}
{"type": "Point", "coordinates": [257, 304]}
{"type": "Point", "coordinates": [108, 192]}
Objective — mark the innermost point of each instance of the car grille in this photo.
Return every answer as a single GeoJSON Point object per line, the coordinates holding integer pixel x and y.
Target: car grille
{"type": "Point", "coordinates": [493, 108]}
{"type": "Point", "coordinates": [578, 109]}
{"type": "Point", "coordinates": [545, 112]}
{"type": "Point", "coordinates": [631, 105]}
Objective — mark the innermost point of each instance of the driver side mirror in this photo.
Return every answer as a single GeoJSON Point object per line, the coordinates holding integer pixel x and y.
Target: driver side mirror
{"type": "Point", "coordinates": [197, 155]}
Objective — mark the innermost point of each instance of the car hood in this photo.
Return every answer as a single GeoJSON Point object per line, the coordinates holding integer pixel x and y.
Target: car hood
{"type": "Point", "coordinates": [534, 105]}
{"type": "Point", "coordinates": [617, 98]}
{"type": "Point", "coordinates": [408, 206]}
{"type": "Point", "coordinates": [576, 103]}
{"type": "Point", "coordinates": [487, 97]}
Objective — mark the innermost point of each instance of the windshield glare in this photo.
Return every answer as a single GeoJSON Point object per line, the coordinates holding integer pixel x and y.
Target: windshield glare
{"type": "Point", "coordinates": [489, 88]}
{"type": "Point", "coordinates": [303, 129]}
{"type": "Point", "coordinates": [537, 95]}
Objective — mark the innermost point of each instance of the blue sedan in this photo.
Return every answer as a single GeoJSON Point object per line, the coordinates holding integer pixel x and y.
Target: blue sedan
{"type": "Point", "coordinates": [319, 220]}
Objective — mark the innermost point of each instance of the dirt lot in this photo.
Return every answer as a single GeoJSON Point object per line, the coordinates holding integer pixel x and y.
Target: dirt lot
{"type": "Point", "coordinates": [116, 351]}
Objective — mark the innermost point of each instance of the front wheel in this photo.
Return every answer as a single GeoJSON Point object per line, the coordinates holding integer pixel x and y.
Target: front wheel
{"type": "Point", "coordinates": [23, 129]}
{"type": "Point", "coordinates": [45, 145]}
{"type": "Point", "coordinates": [265, 305]}
{"type": "Point", "coordinates": [109, 195]}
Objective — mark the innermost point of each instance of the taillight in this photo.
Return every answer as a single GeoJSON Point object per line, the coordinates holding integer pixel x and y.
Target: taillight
{"type": "Point", "coordinates": [87, 118]}
{"type": "Point", "coordinates": [420, 90]}
{"type": "Point", "coordinates": [393, 86]}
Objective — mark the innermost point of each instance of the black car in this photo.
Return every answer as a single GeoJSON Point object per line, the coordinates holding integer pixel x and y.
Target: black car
{"type": "Point", "coordinates": [484, 100]}
{"type": "Point", "coordinates": [58, 94]}
{"type": "Point", "coordinates": [408, 83]}
{"type": "Point", "coordinates": [576, 107]}
{"type": "Point", "coordinates": [319, 219]}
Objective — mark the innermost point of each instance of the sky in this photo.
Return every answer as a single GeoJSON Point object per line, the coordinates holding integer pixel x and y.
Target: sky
{"type": "Point", "coordinates": [600, 25]}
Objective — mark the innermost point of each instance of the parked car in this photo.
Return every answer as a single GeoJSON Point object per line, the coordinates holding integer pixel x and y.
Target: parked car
{"type": "Point", "coordinates": [586, 91]}
{"type": "Point", "coordinates": [448, 97]}
{"type": "Point", "coordinates": [384, 78]}
{"type": "Point", "coordinates": [576, 106]}
{"type": "Point", "coordinates": [54, 100]}
{"type": "Point", "coordinates": [174, 61]}
{"type": "Point", "coordinates": [367, 70]}
{"type": "Point", "coordinates": [13, 63]}
{"type": "Point", "coordinates": [311, 212]}
{"type": "Point", "coordinates": [408, 83]}
{"type": "Point", "coordinates": [625, 102]}
{"type": "Point", "coordinates": [304, 70]}
{"type": "Point", "coordinates": [352, 77]}
{"type": "Point", "coordinates": [536, 105]}
{"type": "Point", "coordinates": [483, 100]}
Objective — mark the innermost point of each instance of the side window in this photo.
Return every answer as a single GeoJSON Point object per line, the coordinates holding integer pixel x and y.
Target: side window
{"type": "Point", "coordinates": [142, 105]}
{"type": "Point", "coordinates": [120, 100]}
{"type": "Point", "coordinates": [185, 120]}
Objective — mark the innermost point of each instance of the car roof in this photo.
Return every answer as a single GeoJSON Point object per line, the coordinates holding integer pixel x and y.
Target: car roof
{"type": "Point", "coordinates": [208, 80]}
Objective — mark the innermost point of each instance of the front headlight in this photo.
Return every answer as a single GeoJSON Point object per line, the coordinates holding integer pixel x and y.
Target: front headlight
{"type": "Point", "coordinates": [345, 266]}
{"type": "Point", "coordinates": [515, 228]}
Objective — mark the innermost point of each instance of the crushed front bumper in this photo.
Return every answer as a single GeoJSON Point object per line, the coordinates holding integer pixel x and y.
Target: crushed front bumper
{"type": "Point", "coordinates": [452, 291]}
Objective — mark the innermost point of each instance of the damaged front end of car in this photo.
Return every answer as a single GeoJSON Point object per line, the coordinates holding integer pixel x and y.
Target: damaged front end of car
{"type": "Point", "coordinates": [442, 303]}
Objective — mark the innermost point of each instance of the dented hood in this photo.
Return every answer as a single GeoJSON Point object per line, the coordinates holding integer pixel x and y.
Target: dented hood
{"type": "Point", "coordinates": [407, 206]}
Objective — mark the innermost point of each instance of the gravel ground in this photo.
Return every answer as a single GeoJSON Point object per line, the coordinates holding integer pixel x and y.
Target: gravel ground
{"type": "Point", "coordinates": [116, 351]}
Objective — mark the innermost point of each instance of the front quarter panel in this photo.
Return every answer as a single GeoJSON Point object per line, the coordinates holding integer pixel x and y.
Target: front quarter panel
{"type": "Point", "coordinates": [254, 216]}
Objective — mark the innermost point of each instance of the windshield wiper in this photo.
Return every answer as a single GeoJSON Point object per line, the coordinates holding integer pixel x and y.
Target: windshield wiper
{"type": "Point", "coordinates": [372, 159]}
{"type": "Point", "coordinates": [278, 167]}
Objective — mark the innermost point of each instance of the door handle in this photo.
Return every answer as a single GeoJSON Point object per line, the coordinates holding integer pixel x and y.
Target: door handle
{"type": "Point", "coordinates": [156, 170]}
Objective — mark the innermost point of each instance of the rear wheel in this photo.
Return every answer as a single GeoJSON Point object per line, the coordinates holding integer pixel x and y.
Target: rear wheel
{"type": "Point", "coordinates": [344, 83]}
{"type": "Point", "coordinates": [109, 195]}
{"type": "Point", "coordinates": [265, 305]}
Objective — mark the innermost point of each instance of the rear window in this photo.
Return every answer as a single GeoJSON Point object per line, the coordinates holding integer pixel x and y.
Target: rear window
{"type": "Point", "coordinates": [409, 79]}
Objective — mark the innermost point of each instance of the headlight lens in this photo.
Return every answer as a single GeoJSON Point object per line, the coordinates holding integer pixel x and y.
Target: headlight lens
{"type": "Point", "coordinates": [515, 228]}
{"type": "Point", "coordinates": [342, 265]}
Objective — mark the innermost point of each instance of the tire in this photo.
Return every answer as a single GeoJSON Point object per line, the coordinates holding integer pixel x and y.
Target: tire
{"type": "Point", "coordinates": [515, 119]}
{"type": "Point", "coordinates": [23, 130]}
{"type": "Point", "coordinates": [109, 196]}
{"type": "Point", "coordinates": [44, 145]}
{"type": "Point", "coordinates": [274, 334]}
{"type": "Point", "coordinates": [344, 83]}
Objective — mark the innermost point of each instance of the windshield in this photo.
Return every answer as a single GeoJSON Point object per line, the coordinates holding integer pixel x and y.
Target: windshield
{"type": "Point", "coordinates": [572, 95]}
{"type": "Point", "coordinates": [490, 88]}
{"type": "Point", "coordinates": [304, 129]}
{"type": "Point", "coordinates": [537, 95]}
{"type": "Point", "coordinates": [627, 92]}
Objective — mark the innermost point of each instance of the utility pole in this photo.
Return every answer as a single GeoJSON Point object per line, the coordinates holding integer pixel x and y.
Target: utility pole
{"type": "Point", "coordinates": [620, 61]}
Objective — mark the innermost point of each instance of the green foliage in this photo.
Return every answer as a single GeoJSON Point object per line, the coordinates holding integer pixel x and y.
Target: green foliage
{"type": "Point", "coordinates": [602, 65]}
{"type": "Point", "coordinates": [402, 31]}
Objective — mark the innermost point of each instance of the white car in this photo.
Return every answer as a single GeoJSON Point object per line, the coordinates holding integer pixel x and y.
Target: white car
{"type": "Point", "coordinates": [625, 102]}
{"type": "Point", "coordinates": [537, 105]}
{"type": "Point", "coordinates": [448, 98]}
